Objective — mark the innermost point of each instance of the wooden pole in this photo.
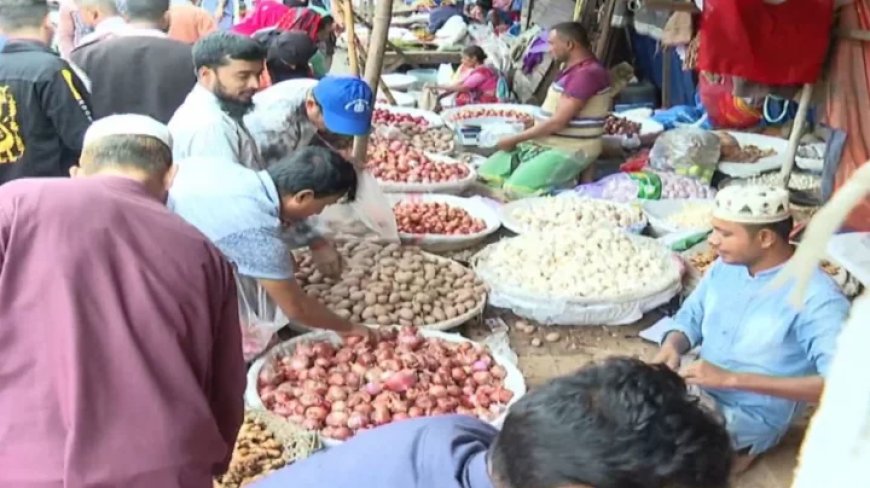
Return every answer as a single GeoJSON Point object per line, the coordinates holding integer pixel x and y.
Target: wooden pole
{"type": "Point", "coordinates": [383, 86]}
{"type": "Point", "coordinates": [794, 138]}
{"type": "Point", "coordinates": [352, 57]}
{"type": "Point", "coordinates": [375, 61]}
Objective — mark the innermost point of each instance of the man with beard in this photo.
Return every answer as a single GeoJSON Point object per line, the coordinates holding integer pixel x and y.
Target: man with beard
{"type": "Point", "coordinates": [209, 122]}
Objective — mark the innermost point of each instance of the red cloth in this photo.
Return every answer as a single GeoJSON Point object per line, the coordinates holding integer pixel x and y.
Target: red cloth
{"type": "Point", "coordinates": [302, 19]}
{"type": "Point", "coordinates": [772, 44]}
{"type": "Point", "coordinates": [266, 14]}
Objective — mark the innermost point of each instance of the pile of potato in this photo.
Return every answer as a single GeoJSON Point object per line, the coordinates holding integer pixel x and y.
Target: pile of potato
{"type": "Point", "coordinates": [550, 213]}
{"type": "Point", "coordinates": [391, 284]}
{"type": "Point", "coordinates": [440, 140]}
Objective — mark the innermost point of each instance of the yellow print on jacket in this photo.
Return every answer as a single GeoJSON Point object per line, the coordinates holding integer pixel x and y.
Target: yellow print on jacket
{"type": "Point", "coordinates": [11, 143]}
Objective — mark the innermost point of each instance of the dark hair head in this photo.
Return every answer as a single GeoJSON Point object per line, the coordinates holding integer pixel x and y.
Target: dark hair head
{"type": "Point", "coordinates": [618, 424]}
{"type": "Point", "coordinates": [782, 229]}
{"type": "Point", "coordinates": [318, 169]}
{"type": "Point", "coordinates": [219, 48]}
{"type": "Point", "coordinates": [573, 31]}
{"type": "Point", "coordinates": [145, 153]}
{"type": "Point", "coordinates": [146, 10]}
{"type": "Point", "coordinates": [22, 14]}
{"type": "Point", "coordinates": [475, 52]}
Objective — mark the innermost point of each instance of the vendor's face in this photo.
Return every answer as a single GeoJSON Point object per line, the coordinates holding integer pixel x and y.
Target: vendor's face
{"type": "Point", "coordinates": [560, 48]}
{"type": "Point", "coordinates": [734, 243]}
{"type": "Point", "coordinates": [468, 61]}
{"type": "Point", "coordinates": [303, 205]}
{"type": "Point", "coordinates": [236, 81]}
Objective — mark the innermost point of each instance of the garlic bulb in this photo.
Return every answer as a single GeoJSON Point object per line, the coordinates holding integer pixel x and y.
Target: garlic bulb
{"type": "Point", "coordinates": [589, 262]}
{"type": "Point", "coordinates": [692, 216]}
{"type": "Point", "coordinates": [554, 212]}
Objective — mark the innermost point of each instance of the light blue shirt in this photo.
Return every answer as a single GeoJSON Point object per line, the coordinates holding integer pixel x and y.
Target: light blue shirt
{"type": "Point", "coordinates": [238, 210]}
{"type": "Point", "coordinates": [743, 326]}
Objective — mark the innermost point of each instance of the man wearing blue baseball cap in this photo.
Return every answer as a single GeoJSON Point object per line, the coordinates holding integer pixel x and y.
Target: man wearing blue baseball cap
{"type": "Point", "coordinates": [296, 113]}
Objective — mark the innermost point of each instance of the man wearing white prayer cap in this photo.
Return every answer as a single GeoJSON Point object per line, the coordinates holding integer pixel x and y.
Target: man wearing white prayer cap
{"type": "Point", "coordinates": [761, 360]}
{"type": "Point", "coordinates": [122, 358]}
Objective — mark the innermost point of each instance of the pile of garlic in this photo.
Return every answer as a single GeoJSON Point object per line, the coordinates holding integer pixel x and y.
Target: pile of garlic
{"type": "Point", "coordinates": [585, 263]}
{"type": "Point", "coordinates": [550, 213]}
{"type": "Point", "coordinates": [692, 216]}
{"type": "Point", "coordinates": [796, 181]}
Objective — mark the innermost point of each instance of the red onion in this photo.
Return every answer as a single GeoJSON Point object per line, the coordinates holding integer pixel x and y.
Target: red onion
{"type": "Point", "coordinates": [341, 433]}
{"type": "Point", "coordinates": [311, 399]}
{"type": "Point", "coordinates": [357, 420]}
{"type": "Point", "coordinates": [317, 373]}
{"type": "Point", "coordinates": [337, 419]}
{"type": "Point", "coordinates": [401, 381]}
{"type": "Point", "coordinates": [338, 406]}
{"type": "Point", "coordinates": [415, 412]}
{"type": "Point", "coordinates": [381, 415]}
{"type": "Point", "coordinates": [400, 416]}
{"type": "Point", "coordinates": [337, 379]}
{"type": "Point", "coordinates": [322, 362]}
{"type": "Point", "coordinates": [482, 377]}
{"type": "Point", "coordinates": [479, 365]}
{"type": "Point", "coordinates": [336, 393]}
{"type": "Point", "coordinates": [353, 340]}
{"type": "Point", "coordinates": [323, 350]}
{"type": "Point", "coordinates": [300, 362]}
{"type": "Point", "coordinates": [458, 374]}
{"type": "Point", "coordinates": [437, 391]}
{"type": "Point", "coordinates": [315, 412]}
{"type": "Point", "coordinates": [498, 372]}
{"type": "Point", "coordinates": [372, 388]}
{"type": "Point", "coordinates": [352, 380]}
{"type": "Point", "coordinates": [364, 408]}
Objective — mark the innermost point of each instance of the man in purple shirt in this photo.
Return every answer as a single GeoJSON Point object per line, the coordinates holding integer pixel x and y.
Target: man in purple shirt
{"type": "Point", "coordinates": [619, 424]}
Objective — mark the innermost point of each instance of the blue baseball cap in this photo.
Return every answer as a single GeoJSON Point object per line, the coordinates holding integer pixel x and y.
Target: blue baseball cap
{"type": "Point", "coordinates": [347, 103]}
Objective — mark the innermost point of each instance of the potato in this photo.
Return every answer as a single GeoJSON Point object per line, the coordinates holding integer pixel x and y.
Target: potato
{"type": "Point", "coordinates": [384, 320]}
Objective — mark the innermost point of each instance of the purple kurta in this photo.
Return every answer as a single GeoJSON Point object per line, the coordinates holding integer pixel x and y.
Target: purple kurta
{"type": "Point", "coordinates": [120, 356]}
{"type": "Point", "coordinates": [446, 451]}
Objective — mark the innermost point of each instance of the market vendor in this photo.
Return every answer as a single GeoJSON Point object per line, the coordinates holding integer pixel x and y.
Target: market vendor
{"type": "Point", "coordinates": [479, 82]}
{"type": "Point", "coordinates": [609, 424]}
{"type": "Point", "coordinates": [251, 216]}
{"type": "Point", "coordinates": [122, 361]}
{"type": "Point", "coordinates": [571, 120]}
{"type": "Point", "coordinates": [760, 358]}
{"type": "Point", "coordinates": [298, 113]}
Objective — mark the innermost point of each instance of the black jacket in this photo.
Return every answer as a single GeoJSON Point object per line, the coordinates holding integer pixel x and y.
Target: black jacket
{"type": "Point", "coordinates": [137, 74]}
{"type": "Point", "coordinates": [44, 112]}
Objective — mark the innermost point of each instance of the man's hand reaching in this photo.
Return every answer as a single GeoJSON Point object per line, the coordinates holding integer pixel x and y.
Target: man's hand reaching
{"type": "Point", "coordinates": [327, 258]}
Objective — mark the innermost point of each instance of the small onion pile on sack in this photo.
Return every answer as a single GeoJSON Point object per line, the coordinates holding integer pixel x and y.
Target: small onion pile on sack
{"type": "Point", "coordinates": [342, 390]}
{"type": "Point", "coordinates": [797, 181]}
{"type": "Point", "coordinates": [394, 285]}
{"type": "Point", "coordinates": [549, 213]}
{"type": "Point", "coordinates": [405, 122]}
{"type": "Point", "coordinates": [619, 126]}
{"type": "Point", "coordinates": [397, 161]}
{"type": "Point", "coordinates": [435, 218]}
{"type": "Point", "coordinates": [471, 113]}
{"type": "Point", "coordinates": [585, 263]}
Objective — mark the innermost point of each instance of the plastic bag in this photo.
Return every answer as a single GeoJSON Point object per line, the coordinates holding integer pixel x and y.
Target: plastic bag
{"type": "Point", "coordinates": [724, 109]}
{"type": "Point", "coordinates": [259, 317]}
{"type": "Point", "coordinates": [369, 216]}
{"type": "Point", "coordinates": [687, 151]}
{"type": "Point", "coordinates": [646, 185]}
{"type": "Point", "coordinates": [531, 169]}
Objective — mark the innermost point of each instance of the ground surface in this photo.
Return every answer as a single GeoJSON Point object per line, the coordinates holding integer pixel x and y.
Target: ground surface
{"type": "Point", "coordinates": [580, 345]}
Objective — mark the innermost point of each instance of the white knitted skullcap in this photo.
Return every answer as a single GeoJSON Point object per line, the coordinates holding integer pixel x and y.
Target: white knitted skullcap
{"type": "Point", "coordinates": [127, 125]}
{"type": "Point", "coordinates": [752, 204]}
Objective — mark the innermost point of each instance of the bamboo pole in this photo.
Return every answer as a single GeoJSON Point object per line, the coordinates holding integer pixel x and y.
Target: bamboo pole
{"type": "Point", "coordinates": [375, 61]}
{"type": "Point", "coordinates": [383, 86]}
{"type": "Point", "coordinates": [352, 56]}
{"type": "Point", "coordinates": [794, 138]}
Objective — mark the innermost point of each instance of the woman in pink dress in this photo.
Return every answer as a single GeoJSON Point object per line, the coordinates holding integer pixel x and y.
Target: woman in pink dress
{"type": "Point", "coordinates": [478, 85]}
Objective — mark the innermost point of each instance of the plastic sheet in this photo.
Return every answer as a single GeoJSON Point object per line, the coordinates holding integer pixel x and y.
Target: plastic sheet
{"type": "Point", "coordinates": [259, 317]}
{"type": "Point", "coordinates": [687, 151]}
